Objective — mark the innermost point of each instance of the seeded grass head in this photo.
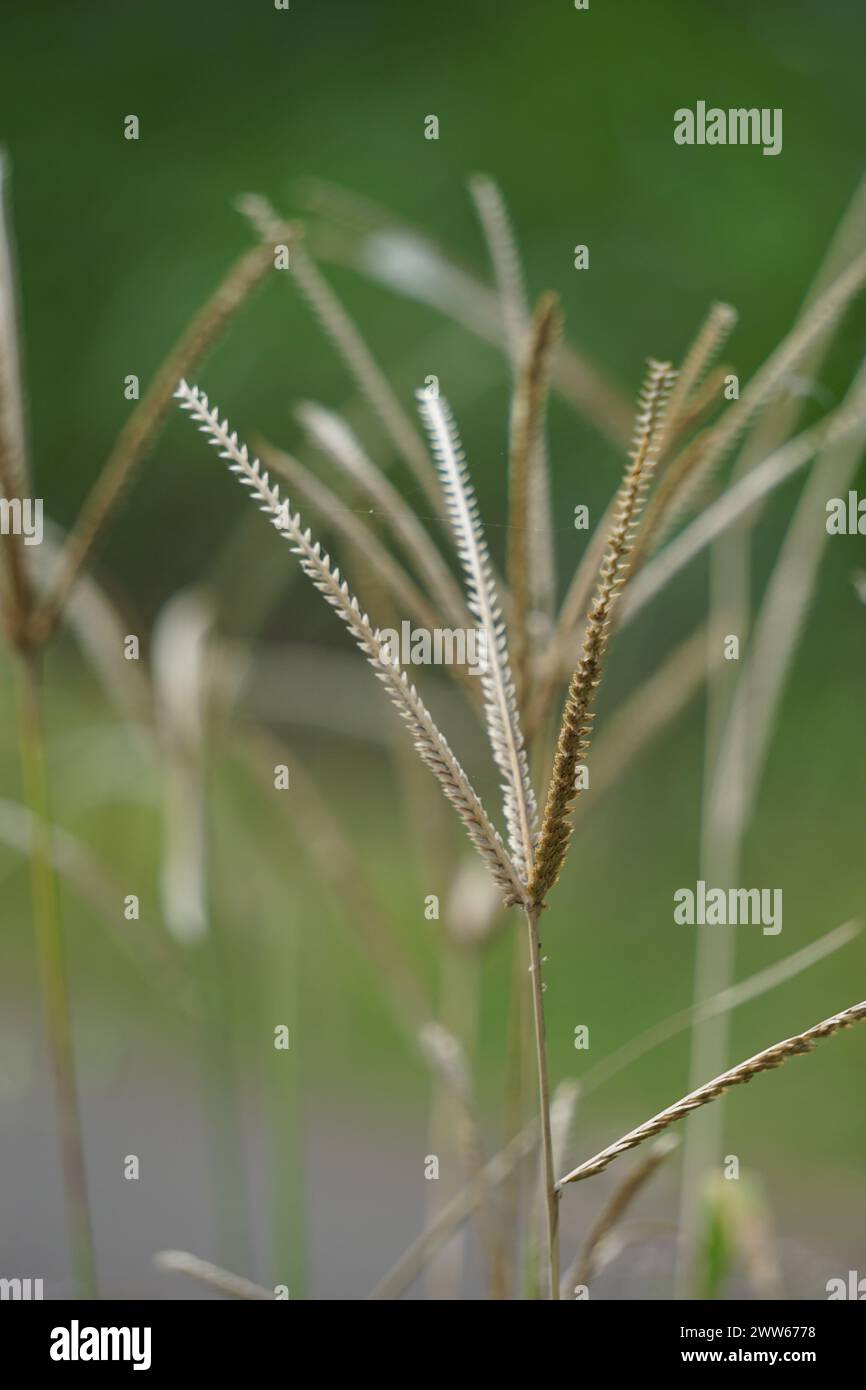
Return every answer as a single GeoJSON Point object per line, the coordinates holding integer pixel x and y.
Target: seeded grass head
{"type": "Point", "coordinates": [542, 649]}
{"type": "Point", "coordinates": [316, 564]}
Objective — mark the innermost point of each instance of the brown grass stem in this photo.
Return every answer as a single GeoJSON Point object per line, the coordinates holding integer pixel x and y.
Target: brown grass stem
{"type": "Point", "coordinates": [144, 422]}
{"type": "Point", "coordinates": [349, 343]}
{"type": "Point", "coordinates": [413, 266]}
{"type": "Point", "coordinates": [529, 538]}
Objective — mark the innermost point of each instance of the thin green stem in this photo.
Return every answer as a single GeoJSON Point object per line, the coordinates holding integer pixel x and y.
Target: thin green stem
{"type": "Point", "coordinates": [517, 1092]}
{"type": "Point", "coordinates": [52, 974]}
{"type": "Point", "coordinates": [551, 1193]}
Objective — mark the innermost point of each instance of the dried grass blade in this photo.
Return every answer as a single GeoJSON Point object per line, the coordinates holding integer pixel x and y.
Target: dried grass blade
{"type": "Point", "coordinates": [457, 1210]}
{"type": "Point", "coordinates": [406, 594]}
{"type": "Point", "coordinates": [400, 258]}
{"type": "Point", "coordinates": [213, 1276]}
{"type": "Point", "coordinates": [739, 499]}
{"type": "Point", "coordinates": [330, 433]}
{"type": "Point", "coordinates": [347, 339]}
{"type": "Point", "coordinates": [530, 533]}
{"type": "Point", "coordinates": [144, 422]}
{"type": "Point", "coordinates": [710, 448]}
{"type": "Point", "coordinates": [778, 423]}
{"type": "Point", "coordinates": [783, 612]}
{"type": "Point", "coordinates": [651, 707]}
{"type": "Point", "coordinates": [584, 1268]}
{"type": "Point", "coordinates": [14, 470]}
{"type": "Point", "coordinates": [505, 257]}
{"type": "Point", "coordinates": [332, 852]}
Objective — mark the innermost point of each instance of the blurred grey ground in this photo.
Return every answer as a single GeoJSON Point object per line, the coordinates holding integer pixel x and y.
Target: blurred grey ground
{"type": "Point", "coordinates": [366, 1201]}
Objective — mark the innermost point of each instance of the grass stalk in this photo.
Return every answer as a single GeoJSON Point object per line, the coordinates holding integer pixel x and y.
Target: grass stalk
{"type": "Point", "coordinates": [551, 1195]}
{"type": "Point", "coordinates": [211, 1275]}
{"type": "Point", "coordinates": [740, 499]}
{"type": "Point", "coordinates": [411, 264]}
{"type": "Point", "coordinates": [523, 1145]}
{"type": "Point", "coordinates": [144, 422]}
{"type": "Point", "coordinates": [52, 975]}
{"type": "Point", "coordinates": [350, 344]}
{"type": "Point", "coordinates": [516, 1089]}
{"type": "Point", "coordinates": [505, 259]}
{"type": "Point", "coordinates": [530, 541]}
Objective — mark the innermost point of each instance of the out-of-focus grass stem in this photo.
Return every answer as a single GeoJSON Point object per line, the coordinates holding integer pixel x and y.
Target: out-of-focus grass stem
{"type": "Point", "coordinates": [52, 973]}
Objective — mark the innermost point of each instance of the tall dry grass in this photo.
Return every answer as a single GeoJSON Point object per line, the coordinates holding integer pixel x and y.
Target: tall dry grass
{"type": "Point", "coordinates": [537, 650]}
{"type": "Point", "coordinates": [527, 858]}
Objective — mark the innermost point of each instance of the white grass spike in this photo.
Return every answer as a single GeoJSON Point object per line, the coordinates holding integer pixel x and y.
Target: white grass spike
{"type": "Point", "coordinates": [503, 721]}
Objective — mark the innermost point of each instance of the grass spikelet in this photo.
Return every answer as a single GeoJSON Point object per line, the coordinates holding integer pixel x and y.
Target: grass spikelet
{"type": "Point", "coordinates": [429, 742]}
{"type": "Point", "coordinates": [575, 731]}
{"type": "Point", "coordinates": [770, 1058]}
{"type": "Point", "coordinates": [711, 338]}
{"type": "Point", "coordinates": [690, 397]}
{"type": "Point", "coordinates": [503, 723]}
{"type": "Point", "coordinates": [530, 542]}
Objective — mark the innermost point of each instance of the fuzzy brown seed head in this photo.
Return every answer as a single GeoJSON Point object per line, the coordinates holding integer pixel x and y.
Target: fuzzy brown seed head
{"type": "Point", "coordinates": [576, 728]}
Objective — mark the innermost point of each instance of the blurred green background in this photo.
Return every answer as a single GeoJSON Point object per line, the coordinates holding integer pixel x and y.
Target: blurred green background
{"type": "Point", "coordinates": [118, 243]}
